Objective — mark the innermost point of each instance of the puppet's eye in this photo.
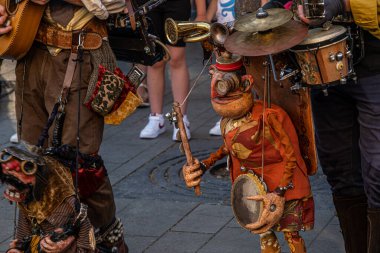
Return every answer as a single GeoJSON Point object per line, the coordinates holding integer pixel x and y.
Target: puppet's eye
{"type": "Point", "coordinates": [5, 157]}
{"type": "Point", "coordinates": [28, 168]}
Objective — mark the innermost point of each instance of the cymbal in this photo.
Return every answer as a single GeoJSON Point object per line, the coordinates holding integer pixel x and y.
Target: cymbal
{"type": "Point", "coordinates": [264, 43]}
{"type": "Point", "coordinates": [263, 20]}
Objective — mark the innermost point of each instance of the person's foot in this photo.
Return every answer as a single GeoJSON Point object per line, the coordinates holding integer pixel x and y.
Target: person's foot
{"type": "Point", "coordinates": [142, 91]}
{"type": "Point", "coordinates": [14, 138]}
{"type": "Point", "coordinates": [215, 130]}
{"type": "Point", "coordinates": [154, 128]}
{"type": "Point", "coordinates": [187, 128]}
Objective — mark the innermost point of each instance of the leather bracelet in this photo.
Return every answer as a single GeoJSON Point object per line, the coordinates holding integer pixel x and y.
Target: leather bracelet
{"type": "Point", "coordinates": [280, 191]}
{"type": "Point", "coordinates": [203, 166]}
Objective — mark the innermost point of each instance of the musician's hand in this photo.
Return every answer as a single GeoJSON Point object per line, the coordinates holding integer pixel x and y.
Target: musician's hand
{"type": "Point", "coordinates": [272, 211]}
{"type": "Point", "coordinates": [192, 174]}
{"type": "Point", "coordinates": [3, 19]}
{"type": "Point", "coordinates": [332, 9]}
{"type": "Point", "coordinates": [40, 2]}
{"type": "Point", "coordinates": [126, 10]}
{"type": "Point", "coordinates": [201, 18]}
{"type": "Point", "coordinates": [48, 246]}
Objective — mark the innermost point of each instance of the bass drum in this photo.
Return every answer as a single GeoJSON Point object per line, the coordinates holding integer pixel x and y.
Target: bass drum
{"type": "Point", "coordinates": [296, 102]}
{"type": "Point", "coordinates": [247, 211]}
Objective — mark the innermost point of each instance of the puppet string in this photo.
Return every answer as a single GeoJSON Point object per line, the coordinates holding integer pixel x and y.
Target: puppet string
{"type": "Point", "coordinates": [196, 81]}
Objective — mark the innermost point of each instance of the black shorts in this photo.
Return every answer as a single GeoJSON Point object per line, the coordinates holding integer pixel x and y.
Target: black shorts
{"type": "Point", "coordinates": [179, 10]}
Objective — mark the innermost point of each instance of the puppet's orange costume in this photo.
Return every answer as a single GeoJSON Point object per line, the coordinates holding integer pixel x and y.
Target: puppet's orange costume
{"type": "Point", "coordinates": [283, 163]}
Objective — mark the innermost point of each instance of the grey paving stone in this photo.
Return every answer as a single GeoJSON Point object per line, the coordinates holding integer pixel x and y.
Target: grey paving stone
{"type": "Point", "coordinates": [322, 219]}
{"type": "Point", "coordinates": [232, 240]}
{"type": "Point", "coordinates": [179, 242]}
{"type": "Point", "coordinates": [205, 219]}
{"type": "Point", "coordinates": [150, 217]}
{"type": "Point", "coordinates": [330, 240]}
{"type": "Point", "coordinates": [138, 243]}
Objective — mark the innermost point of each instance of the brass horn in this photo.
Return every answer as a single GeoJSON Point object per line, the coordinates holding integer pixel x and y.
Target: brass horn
{"type": "Point", "coordinates": [219, 33]}
{"type": "Point", "coordinates": [188, 31]}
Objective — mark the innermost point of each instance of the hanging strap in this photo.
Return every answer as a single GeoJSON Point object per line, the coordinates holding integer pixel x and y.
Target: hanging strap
{"type": "Point", "coordinates": [59, 107]}
{"type": "Point", "coordinates": [131, 14]}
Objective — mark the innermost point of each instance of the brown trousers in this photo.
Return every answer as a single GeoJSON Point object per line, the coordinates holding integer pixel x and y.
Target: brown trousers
{"type": "Point", "coordinates": [39, 77]}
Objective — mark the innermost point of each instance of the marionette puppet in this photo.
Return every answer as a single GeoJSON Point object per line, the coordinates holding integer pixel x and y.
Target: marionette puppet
{"type": "Point", "coordinates": [271, 190]}
{"type": "Point", "coordinates": [51, 219]}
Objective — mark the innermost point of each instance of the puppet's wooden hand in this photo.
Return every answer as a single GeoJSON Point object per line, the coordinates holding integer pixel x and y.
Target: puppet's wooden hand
{"type": "Point", "coordinates": [192, 173]}
{"type": "Point", "coordinates": [271, 214]}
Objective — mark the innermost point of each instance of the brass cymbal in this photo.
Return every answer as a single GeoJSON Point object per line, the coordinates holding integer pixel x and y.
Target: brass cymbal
{"type": "Point", "coordinates": [264, 43]}
{"type": "Point", "coordinates": [263, 20]}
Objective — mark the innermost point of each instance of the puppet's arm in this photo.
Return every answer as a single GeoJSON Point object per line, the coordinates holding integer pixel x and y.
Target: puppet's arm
{"type": "Point", "coordinates": [289, 155]}
{"type": "Point", "coordinates": [193, 173]}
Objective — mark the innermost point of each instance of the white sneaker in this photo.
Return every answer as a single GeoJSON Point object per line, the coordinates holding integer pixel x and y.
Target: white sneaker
{"type": "Point", "coordinates": [215, 130]}
{"type": "Point", "coordinates": [187, 128]}
{"type": "Point", "coordinates": [14, 138]}
{"type": "Point", "coordinates": [154, 128]}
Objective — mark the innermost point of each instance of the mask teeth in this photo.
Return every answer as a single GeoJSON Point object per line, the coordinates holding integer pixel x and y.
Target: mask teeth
{"type": "Point", "coordinates": [13, 194]}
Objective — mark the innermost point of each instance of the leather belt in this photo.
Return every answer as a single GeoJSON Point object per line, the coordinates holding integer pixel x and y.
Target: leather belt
{"type": "Point", "coordinates": [53, 36]}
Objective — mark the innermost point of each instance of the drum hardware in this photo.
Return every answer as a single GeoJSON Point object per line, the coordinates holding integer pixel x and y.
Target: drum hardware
{"type": "Point", "coordinates": [188, 31]}
{"type": "Point", "coordinates": [314, 9]}
{"type": "Point", "coordinates": [263, 20]}
{"type": "Point", "coordinates": [355, 35]}
{"type": "Point", "coordinates": [285, 72]}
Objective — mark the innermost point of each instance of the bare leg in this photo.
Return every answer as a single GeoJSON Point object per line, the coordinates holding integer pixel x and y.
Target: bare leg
{"type": "Point", "coordinates": [156, 86]}
{"type": "Point", "coordinates": [142, 90]}
{"type": "Point", "coordinates": [179, 75]}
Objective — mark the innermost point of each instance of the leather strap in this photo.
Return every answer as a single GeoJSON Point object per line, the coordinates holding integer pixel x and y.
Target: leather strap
{"type": "Point", "coordinates": [131, 14]}
{"type": "Point", "coordinates": [52, 36]}
{"type": "Point", "coordinates": [69, 75]}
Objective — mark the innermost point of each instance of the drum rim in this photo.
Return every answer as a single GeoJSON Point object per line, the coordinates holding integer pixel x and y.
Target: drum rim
{"type": "Point", "coordinates": [261, 187]}
{"type": "Point", "coordinates": [318, 45]}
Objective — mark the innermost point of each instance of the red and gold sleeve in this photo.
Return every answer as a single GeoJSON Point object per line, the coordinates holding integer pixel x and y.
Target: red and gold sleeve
{"type": "Point", "coordinates": [216, 156]}
{"type": "Point", "coordinates": [288, 153]}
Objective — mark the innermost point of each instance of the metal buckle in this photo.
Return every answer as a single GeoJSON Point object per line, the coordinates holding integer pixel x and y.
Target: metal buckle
{"type": "Point", "coordinates": [81, 39]}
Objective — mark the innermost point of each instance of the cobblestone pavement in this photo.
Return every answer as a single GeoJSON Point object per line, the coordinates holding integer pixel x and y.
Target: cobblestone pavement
{"type": "Point", "coordinates": [159, 213]}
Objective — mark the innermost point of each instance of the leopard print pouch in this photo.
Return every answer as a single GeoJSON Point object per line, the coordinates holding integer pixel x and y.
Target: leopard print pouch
{"type": "Point", "coordinates": [107, 91]}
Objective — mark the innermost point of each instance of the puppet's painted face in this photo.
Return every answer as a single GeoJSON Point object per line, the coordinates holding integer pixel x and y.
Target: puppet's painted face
{"type": "Point", "coordinates": [19, 177]}
{"type": "Point", "coordinates": [231, 95]}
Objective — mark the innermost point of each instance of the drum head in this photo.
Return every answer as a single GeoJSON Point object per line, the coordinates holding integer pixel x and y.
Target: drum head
{"type": "Point", "coordinates": [247, 211]}
{"type": "Point", "coordinates": [319, 37]}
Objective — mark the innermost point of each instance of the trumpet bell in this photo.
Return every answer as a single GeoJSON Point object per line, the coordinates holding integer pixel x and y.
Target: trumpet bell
{"type": "Point", "coordinates": [219, 33]}
{"type": "Point", "coordinates": [186, 30]}
{"type": "Point", "coordinates": [171, 31]}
